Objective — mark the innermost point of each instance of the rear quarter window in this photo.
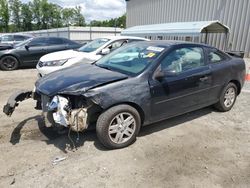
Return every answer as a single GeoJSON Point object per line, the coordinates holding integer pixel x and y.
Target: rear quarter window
{"type": "Point", "coordinates": [215, 56]}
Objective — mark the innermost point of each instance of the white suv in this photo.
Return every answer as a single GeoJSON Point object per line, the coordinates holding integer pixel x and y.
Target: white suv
{"type": "Point", "coordinates": [88, 53]}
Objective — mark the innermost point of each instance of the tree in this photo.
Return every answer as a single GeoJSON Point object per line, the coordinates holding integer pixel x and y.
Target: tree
{"type": "Point", "coordinates": [4, 16]}
{"type": "Point", "coordinates": [114, 22]}
{"type": "Point", "coordinates": [55, 20]}
{"type": "Point", "coordinates": [15, 8]}
{"type": "Point", "coordinates": [79, 19]}
{"type": "Point", "coordinates": [26, 17]}
{"type": "Point", "coordinates": [41, 14]}
{"type": "Point", "coordinates": [68, 16]}
{"type": "Point", "coordinates": [36, 10]}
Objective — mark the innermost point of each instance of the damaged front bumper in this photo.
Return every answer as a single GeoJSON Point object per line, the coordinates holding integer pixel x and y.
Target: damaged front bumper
{"type": "Point", "coordinates": [14, 100]}
{"type": "Point", "coordinates": [58, 111]}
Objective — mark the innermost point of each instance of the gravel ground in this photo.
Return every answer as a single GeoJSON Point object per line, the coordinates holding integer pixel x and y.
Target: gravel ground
{"type": "Point", "coordinates": [204, 148]}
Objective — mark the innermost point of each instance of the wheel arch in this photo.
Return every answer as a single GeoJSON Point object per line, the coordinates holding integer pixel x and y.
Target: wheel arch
{"type": "Point", "coordinates": [238, 85]}
{"type": "Point", "coordinates": [134, 105]}
{"type": "Point", "coordinates": [12, 55]}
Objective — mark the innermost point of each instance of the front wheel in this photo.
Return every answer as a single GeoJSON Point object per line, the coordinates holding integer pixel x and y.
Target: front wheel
{"type": "Point", "coordinates": [118, 126]}
{"type": "Point", "coordinates": [8, 63]}
{"type": "Point", "coordinates": [227, 98]}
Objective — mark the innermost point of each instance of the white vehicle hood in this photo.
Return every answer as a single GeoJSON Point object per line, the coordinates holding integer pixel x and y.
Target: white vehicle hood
{"type": "Point", "coordinates": [66, 54]}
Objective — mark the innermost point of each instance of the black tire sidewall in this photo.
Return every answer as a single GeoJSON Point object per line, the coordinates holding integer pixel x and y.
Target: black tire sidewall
{"type": "Point", "coordinates": [105, 119]}
{"type": "Point", "coordinates": [6, 69]}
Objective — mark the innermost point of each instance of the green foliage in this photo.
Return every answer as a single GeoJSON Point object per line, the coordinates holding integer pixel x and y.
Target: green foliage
{"type": "Point", "coordinates": [26, 17]}
{"type": "Point", "coordinates": [4, 16]}
{"type": "Point", "coordinates": [41, 14]}
{"type": "Point", "coordinates": [115, 22]}
{"type": "Point", "coordinates": [15, 7]}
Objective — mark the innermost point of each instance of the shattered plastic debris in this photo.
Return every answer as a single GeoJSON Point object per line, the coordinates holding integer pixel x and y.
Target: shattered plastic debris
{"type": "Point", "coordinates": [58, 159]}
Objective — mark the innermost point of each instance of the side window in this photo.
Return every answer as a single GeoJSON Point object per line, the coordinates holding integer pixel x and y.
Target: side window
{"type": "Point", "coordinates": [134, 40]}
{"type": "Point", "coordinates": [55, 41]}
{"type": "Point", "coordinates": [183, 59]}
{"type": "Point", "coordinates": [19, 38]}
{"type": "Point", "coordinates": [117, 44]}
{"type": "Point", "coordinates": [215, 57]}
{"type": "Point", "coordinates": [38, 42]}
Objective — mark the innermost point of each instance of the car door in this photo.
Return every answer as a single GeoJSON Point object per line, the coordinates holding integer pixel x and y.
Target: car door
{"type": "Point", "coordinates": [183, 85]}
{"type": "Point", "coordinates": [56, 44]}
{"type": "Point", "coordinates": [31, 52]}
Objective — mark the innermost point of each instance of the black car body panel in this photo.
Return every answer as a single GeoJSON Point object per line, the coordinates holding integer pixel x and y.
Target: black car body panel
{"type": "Point", "coordinates": [28, 53]}
{"type": "Point", "coordinates": [76, 80]}
{"type": "Point", "coordinates": [5, 46]}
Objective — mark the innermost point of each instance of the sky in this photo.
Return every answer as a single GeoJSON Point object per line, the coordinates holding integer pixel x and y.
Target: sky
{"type": "Point", "coordinates": [95, 9]}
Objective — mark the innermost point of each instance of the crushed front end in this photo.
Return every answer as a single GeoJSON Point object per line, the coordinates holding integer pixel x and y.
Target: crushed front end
{"type": "Point", "coordinates": [67, 111]}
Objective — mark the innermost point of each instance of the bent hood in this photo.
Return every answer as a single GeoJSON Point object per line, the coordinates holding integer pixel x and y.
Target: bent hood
{"type": "Point", "coordinates": [76, 80]}
{"type": "Point", "coordinates": [66, 54]}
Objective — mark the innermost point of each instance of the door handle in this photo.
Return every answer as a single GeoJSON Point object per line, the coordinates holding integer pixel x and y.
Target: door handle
{"type": "Point", "coordinates": [204, 78]}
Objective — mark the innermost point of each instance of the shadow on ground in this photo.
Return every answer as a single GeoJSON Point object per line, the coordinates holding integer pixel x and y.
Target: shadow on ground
{"type": "Point", "coordinates": [63, 141]}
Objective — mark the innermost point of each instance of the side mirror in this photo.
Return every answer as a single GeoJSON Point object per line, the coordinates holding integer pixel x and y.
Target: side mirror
{"type": "Point", "coordinates": [27, 47]}
{"type": "Point", "coordinates": [159, 75]}
{"type": "Point", "coordinates": [105, 51]}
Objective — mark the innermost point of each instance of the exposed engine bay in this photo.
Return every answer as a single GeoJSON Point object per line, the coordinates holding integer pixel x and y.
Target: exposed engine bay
{"type": "Point", "coordinates": [75, 119]}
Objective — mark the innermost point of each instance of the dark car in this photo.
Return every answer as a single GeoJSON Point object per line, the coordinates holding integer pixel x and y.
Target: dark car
{"type": "Point", "coordinates": [29, 52]}
{"type": "Point", "coordinates": [137, 85]}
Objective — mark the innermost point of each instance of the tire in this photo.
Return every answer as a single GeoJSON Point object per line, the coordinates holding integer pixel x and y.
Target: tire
{"type": "Point", "coordinates": [227, 98]}
{"type": "Point", "coordinates": [115, 133]}
{"type": "Point", "coordinates": [9, 63]}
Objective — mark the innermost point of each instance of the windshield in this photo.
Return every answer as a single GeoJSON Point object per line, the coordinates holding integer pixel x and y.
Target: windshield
{"type": "Point", "coordinates": [93, 45]}
{"type": "Point", "coordinates": [23, 43]}
{"type": "Point", "coordinates": [131, 59]}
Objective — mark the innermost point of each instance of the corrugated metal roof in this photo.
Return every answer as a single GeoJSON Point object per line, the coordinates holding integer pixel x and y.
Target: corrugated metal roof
{"type": "Point", "coordinates": [177, 28]}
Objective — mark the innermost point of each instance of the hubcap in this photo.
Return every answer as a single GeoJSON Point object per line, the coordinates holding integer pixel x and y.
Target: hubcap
{"type": "Point", "coordinates": [229, 97]}
{"type": "Point", "coordinates": [122, 128]}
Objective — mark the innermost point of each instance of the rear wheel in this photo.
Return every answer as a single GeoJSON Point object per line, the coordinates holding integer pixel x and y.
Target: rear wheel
{"type": "Point", "coordinates": [227, 98]}
{"type": "Point", "coordinates": [118, 126]}
{"type": "Point", "coordinates": [8, 63]}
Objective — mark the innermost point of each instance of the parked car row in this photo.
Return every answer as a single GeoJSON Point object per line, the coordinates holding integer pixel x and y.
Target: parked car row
{"type": "Point", "coordinates": [88, 53]}
{"type": "Point", "coordinates": [135, 85]}
{"type": "Point", "coordinates": [32, 52]}
{"type": "Point", "coordinates": [29, 52]}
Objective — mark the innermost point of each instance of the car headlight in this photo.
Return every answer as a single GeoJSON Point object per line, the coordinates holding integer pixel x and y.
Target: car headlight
{"type": "Point", "coordinates": [55, 62]}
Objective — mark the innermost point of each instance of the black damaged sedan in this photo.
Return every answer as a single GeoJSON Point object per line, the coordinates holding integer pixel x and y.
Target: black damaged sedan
{"type": "Point", "coordinates": [136, 85]}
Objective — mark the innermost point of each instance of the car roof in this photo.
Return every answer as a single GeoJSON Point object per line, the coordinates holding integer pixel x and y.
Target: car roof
{"type": "Point", "coordinates": [124, 37]}
{"type": "Point", "coordinates": [50, 37]}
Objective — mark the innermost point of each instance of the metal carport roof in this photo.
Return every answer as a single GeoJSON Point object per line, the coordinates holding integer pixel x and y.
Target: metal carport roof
{"type": "Point", "coordinates": [177, 28]}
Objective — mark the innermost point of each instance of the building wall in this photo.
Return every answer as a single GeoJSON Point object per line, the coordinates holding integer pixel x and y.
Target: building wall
{"type": "Point", "coordinates": [233, 13]}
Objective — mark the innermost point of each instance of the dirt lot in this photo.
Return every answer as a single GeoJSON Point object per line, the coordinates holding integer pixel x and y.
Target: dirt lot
{"type": "Point", "coordinates": [204, 148]}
